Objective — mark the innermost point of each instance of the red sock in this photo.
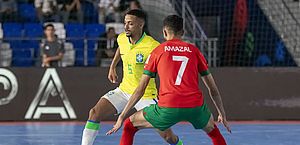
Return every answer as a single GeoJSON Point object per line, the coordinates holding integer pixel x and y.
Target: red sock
{"type": "Point", "coordinates": [128, 133]}
{"type": "Point", "coordinates": [216, 136]}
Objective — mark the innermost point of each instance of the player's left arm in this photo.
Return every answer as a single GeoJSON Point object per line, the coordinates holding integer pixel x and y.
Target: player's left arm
{"type": "Point", "coordinates": [137, 95]}
{"type": "Point", "coordinates": [216, 98]}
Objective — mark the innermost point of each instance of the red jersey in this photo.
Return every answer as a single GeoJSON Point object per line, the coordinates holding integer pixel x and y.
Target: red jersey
{"type": "Point", "coordinates": [178, 64]}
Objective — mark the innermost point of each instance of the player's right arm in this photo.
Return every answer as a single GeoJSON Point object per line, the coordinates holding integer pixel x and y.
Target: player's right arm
{"type": "Point", "coordinates": [112, 74]}
{"type": "Point", "coordinates": [216, 98]}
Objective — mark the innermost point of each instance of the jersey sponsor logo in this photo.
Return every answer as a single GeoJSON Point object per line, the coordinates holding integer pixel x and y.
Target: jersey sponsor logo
{"type": "Point", "coordinates": [50, 86]}
{"type": "Point", "coordinates": [139, 58]}
{"type": "Point", "coordinates": [10, 83]}
{"type": "Point", "coordinates": [177, 48]}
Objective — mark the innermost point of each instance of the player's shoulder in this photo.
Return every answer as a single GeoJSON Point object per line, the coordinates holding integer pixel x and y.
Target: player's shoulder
{"type": "Point", "coordinates": [151, 41]}
{"type": "Point", "coordinates": [122, 36]}
{"type": "Point", "coordinates": [160, 48]}
{"type": "Point", "coordinates": [193, 47]}
{"type": "Point", "coordinates": [150, 38]}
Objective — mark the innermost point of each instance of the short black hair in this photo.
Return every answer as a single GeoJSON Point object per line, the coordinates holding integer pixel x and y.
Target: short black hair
{"type": "Point", "coordinates": [174, 23]}
{"type": "Point", "coordinates": [138, 13]}
{"type": "Point", "coordinates": [48, 25]}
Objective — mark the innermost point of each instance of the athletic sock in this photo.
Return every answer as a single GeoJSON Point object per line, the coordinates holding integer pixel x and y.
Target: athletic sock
{"type": "Point", "coordinates": [216, 136]}
{"type": "Point", "coordinates": [179, 142]}
{"type": "Point", "coordinates": [128, 133]}
{"type": "Point", "coordinates": [90, 132]}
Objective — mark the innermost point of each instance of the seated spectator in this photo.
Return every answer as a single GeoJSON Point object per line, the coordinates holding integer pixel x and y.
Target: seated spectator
{"type": "Point", "coordinates": [52, 49]}
{"type": "Point", "coordinates": [107, 47]}
{"type": "Point", "coordinates": [8, 10]}
{"type": "Point", "coordinates": [47, 10]}
{"type": "Point", "coordinates": [72, 9]}
{"type": "Point", "coordinates": [135, 4]}
{"type": "Point", "coordinates": [109, 11]}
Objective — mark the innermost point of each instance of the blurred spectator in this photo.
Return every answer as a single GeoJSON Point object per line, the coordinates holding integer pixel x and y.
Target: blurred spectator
{"type": "Point", "coordinates": [107, 46]}
{"type": "Point", "coordinates": [109, 11]}
{"type": "Point", "coordinates": [94, 2]}
{"type": "Point", "coordinates": [135, 4]}
{"type": "Point", "coordinates": [47, 10]}
{"type": "Point", "coordinates": [8, 10]}
{"type": "Point", "coordinates": [72, 9]}
{"type": "Point", "coordinates": [52, 49]}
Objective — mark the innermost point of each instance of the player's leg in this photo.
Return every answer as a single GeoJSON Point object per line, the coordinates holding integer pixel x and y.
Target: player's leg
{"type": "Point", "coordinates": [101, 110]}
{"type": "Point", "coordinates": [214, 133]}
{"type": "Point", "coordinates": [111, 103]}
{"type": "Point", "coordinates": [137, 121]}
{"type": "Point", "coordinates": [204, 120]}
{"type": "Point", "coordinates": [170, 137]}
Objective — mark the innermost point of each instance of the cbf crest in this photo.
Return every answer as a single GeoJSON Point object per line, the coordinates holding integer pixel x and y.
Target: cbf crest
{"type": "Point", "coordinates": [139, 58]}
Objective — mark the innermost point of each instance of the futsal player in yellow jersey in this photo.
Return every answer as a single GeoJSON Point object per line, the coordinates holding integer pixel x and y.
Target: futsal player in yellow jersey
{"type": "Point", "coordinates": [134, 48]}
{"type": "Point", "coordinates": [133, 57]}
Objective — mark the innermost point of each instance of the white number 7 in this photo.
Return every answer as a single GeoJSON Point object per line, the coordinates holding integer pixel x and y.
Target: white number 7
{"type": "Point", "coordinates": [184, 61]}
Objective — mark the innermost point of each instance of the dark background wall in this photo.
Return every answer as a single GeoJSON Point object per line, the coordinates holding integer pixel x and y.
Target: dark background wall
{"type": "Point", "coordinates": [248, 93]}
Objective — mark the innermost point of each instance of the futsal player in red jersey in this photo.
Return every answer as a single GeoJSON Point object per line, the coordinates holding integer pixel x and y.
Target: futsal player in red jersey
{"type": "Point", "coordinates": [178, 64]}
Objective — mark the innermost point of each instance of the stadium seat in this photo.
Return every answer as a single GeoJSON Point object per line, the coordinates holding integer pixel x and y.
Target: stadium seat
{"type": "Point", "coordinates": [78, 44]}
{"type": "Point", "coordinates": [119, 27]}
{"type": "Point", "coordinates": [6, 26]}
{"type": "Point", "coordinates": [263, 60]}
{"type": "Point", "coordinates": [27, 12]}
{"type": "Point", "coordinates": [33, 30]}
{"type": "Point", "coordinates": [5, 57]}
{"type": "Point", "coordinates": [22, 58]}
{"type": "Point", "coordinates": [75, 34]}
{"type": "Point", "coordinates": [68, 46]}
{"type": "Point", "coordinates": [1, 31]}
{"type": "Point", "coordinates": [13, 31]}
{"type": "Point", "coordinates": [90, 13]}
{"type": "Point", "coordinates": [79, 58]}
{"type": "Point", "coordinates": [1, 34]}
{"type": "Point", "coordinates": [69, 56]}
{"type": "Point", "coordinates": [93, 32]}
{"type": "Point", "coordinates": [4, 46]}
{"type": "Point", "coordinates": [280, 52]}
{"type": "Point", "coordinates": [91, 58]}
{"type": "Point", "coordinates": [74, 27]}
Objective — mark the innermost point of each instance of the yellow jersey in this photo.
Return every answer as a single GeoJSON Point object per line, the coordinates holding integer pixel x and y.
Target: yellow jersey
{"type": "Point", "coordinates": [134, 57]}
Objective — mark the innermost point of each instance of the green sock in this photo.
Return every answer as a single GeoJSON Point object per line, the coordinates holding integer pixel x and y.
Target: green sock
{"type": "Point", "coordinates": [92, 125]}
{"type": "Point", "coordinates": [180, 142]}
{"type": "Point", "coordinates": [90, 132]}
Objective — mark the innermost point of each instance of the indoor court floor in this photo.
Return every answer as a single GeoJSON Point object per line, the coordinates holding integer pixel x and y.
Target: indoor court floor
{"type": "Point", "coordinates": [69, 133]}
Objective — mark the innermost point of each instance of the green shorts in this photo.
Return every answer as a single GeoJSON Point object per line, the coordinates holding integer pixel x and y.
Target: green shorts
{"type": "Point", "coordinates": [163, 118]}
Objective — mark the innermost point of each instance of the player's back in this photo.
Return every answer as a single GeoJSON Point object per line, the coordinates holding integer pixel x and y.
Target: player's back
{"type": "Point", "coordinates": [178, 67]}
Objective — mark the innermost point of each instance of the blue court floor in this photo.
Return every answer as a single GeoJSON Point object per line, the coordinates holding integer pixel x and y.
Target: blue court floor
{"type": "Point", "coordinates": [64, 133]}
